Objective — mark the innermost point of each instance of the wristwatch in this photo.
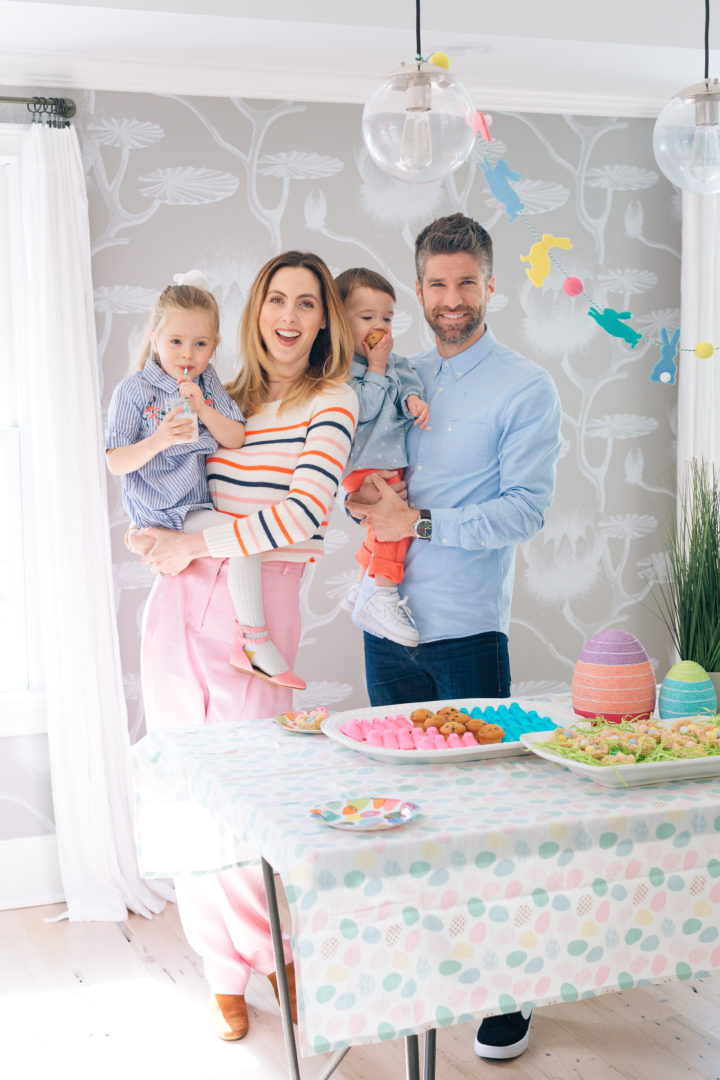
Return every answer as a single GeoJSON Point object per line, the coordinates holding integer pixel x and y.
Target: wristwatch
{"type": "Point", "coordinates": [422, 527]}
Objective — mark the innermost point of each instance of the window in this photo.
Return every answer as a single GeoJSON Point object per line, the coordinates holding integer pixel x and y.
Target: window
{"type": "Point", "coordinates": [18, 658]}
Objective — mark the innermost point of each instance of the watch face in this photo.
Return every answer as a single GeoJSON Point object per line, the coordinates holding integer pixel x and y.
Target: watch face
{"type": "Point", "coordinates": [423, 528]}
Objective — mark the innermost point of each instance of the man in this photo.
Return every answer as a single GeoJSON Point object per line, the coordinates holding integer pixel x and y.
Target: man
{"type": "Point", "coordinates": [483, 473]}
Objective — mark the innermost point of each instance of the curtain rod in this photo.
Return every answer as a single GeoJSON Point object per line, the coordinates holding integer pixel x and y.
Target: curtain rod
{"type": "Point", "coordinates": [41, 106]}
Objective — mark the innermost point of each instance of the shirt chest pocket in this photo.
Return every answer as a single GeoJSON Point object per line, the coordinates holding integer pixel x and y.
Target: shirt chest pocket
{"type": "Point", "coordinates": [461, 446]}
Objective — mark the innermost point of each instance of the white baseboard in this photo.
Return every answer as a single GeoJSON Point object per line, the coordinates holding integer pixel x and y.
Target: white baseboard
{"type": "Point", "coordinates": [29, 872]}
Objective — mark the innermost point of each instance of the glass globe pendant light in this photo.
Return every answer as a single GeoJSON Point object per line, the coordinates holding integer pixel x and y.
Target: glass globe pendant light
{"type": "Point", "coordinates": [686, 138]}
{"type": "Point", "coordinates": [419, 124]}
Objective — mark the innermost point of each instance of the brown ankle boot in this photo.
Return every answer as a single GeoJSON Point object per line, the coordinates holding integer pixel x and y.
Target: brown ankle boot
{"type": "Point", "coordinates": [229, 1016]}
{"type": "Point", "coordinates": [290, 969]}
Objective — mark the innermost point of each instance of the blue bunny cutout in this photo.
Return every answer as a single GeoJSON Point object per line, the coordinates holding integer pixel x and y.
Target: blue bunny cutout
{"type": "Point", "coordinates": [665, 369]}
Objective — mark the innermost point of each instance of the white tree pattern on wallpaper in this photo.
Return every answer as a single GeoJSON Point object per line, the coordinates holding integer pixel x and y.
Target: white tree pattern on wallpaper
{"type": "Point", "coordinates": [589, 565]}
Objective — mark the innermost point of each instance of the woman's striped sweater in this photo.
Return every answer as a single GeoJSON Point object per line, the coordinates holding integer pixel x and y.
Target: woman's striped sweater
{"type": "Point", "coordinates": [279, 488]}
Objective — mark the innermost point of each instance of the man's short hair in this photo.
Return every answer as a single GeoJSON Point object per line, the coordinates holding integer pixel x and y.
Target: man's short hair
{"type": "Point", "coordinates": [450, 235]}
{"type": "Point", "coordinates": [358, 277]}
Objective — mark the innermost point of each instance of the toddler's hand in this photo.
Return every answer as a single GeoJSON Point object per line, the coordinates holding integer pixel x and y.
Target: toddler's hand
{"type": "Point", "coordinates": [419, 409]}
{"type": "Point", "coordinates": [188, 389]}
{"type": "Point", "coordinates": [378, 356]}
{"type": "Point", "coordinates": [176, 427]}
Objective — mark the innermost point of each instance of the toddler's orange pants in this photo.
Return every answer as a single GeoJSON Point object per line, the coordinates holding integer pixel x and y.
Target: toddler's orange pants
{"type": "Point", "coordinates": [384, 557]}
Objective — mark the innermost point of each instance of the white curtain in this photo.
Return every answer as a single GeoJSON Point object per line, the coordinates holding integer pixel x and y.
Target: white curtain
{"type": "Point", "coordinates": [64, 484]}
{"type": "Point", "coordinates": [699, 380]}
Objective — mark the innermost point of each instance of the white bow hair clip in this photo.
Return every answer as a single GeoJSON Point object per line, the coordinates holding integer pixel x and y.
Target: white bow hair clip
{"type": "Point", "coordinates": [193, 277]}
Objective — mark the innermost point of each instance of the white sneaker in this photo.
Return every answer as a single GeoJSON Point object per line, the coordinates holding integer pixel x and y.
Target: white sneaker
{"type": "Point", "coordinates": [351, 597]}
{"type": "Point", "coordinates": [386, 615]}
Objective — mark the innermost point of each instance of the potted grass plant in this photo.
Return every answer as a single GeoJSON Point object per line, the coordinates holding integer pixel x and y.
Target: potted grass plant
{"type": "Point", "coordinates": [689, 600]}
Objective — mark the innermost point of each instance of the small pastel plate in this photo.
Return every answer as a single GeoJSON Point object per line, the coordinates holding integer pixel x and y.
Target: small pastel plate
{"type": "Point", "coordinates": [366, 813]}
{"type": "Point", "coordinates": [290, 723]}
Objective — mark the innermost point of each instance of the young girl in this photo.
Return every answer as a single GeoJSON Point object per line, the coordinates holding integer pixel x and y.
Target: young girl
{"type": "Point", "coordinates": [151, 443]}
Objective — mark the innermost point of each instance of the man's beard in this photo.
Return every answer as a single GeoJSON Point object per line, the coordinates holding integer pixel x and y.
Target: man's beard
{"type": "Point", "coordinates": [449, 335]}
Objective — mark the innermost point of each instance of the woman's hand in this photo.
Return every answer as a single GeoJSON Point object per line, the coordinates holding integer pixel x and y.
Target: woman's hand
{"type": "Point", "coordinates": [173, 550]}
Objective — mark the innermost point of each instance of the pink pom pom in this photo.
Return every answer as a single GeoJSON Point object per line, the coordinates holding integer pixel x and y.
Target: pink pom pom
{"type": "Point", "coordinates": [572, 286]}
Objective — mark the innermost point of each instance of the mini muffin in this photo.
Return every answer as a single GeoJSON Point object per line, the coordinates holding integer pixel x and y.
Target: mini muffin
{"type": "Point", "coordinates": [373, 337]}
{"type": "Point", "coordinates": [448, 712]}
{"type": "Point", "coordinates": [419, 717]}
{"type": "Point", "coordinates": [490, 733]}
{"type": "Point", "coordinates": [451, 726]}
{"type": "Point", "coordinates": [475, 724]}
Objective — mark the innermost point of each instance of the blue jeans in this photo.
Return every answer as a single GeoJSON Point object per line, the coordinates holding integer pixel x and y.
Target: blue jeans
{"type": "Point", "coordinates": [475, 666]}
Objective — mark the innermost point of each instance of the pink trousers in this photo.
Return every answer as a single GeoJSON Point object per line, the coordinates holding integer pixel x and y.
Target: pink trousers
{"type": "Point", "coordinates": [188, 630]}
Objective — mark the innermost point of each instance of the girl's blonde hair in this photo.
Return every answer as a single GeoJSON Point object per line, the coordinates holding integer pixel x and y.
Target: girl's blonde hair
{"type": "Point", "coordinates": [331, 353]}
{"type": "Point", "coordinates": [183, 298]}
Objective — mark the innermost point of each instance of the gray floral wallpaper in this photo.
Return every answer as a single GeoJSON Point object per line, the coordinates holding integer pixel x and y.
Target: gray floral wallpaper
{"type": "Point", "coordinates": [224, 184]}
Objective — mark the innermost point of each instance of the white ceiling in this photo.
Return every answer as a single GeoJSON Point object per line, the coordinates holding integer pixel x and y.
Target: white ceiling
{"type": "Point", "coordinates": [619, 57]}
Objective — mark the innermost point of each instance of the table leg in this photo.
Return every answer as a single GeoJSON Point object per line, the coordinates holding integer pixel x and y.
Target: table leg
{"type": "Point", "coordinates": [430, 1036]}
{"type": "Point", "coordinates": [283, 992]}
{"type": "Point", "coordinates": [412, 1058]}
{"type": "Point", "coordinates": [279, 954]}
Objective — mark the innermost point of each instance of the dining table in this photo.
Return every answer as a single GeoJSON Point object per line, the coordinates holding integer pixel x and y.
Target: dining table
{"type": "Point", "coordinates": [515, 883]}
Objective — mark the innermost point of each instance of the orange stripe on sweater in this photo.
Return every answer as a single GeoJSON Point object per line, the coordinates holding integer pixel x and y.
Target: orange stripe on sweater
{"type": "Point", "coordinates": [336, 409]}
{"type": "Point", "coordinates": [307, 495]}
{"type": "Point", "coordinates": [271, 430]}
{"type": "Point", "coordinates": [319, 453]}
{"type": "Point", "coordinates": [249, 468]}
{"type": "Point", "coordinates": [238, 538]}
{"type": "Point", "coordinates": [281, 527]}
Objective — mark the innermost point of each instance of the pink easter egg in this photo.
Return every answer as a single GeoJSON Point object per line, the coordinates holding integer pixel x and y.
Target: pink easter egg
{"type": "Point", "coordinates": [613, 678]}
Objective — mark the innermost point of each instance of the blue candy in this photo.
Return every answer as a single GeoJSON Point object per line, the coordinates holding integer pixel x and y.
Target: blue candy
{"type": "Point", "coordinates": [514, 719]}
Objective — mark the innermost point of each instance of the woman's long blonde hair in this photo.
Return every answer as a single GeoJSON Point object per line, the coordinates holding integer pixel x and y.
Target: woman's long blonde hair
{"type": "Point", "coordinates": [331, 353]}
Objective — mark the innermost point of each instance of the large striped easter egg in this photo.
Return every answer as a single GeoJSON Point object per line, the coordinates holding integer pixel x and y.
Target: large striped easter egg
{"type": "Point", "coordinates": [686, 691]}
{"type": "Point", "coordinates": [613, 678]}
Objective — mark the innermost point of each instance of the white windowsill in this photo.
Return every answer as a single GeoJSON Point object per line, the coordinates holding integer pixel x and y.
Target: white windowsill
{"type": "Point", "coordinates": [22, 712]}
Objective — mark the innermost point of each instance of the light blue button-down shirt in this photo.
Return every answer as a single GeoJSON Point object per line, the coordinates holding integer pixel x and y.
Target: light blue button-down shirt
{"type": "Point", "coordinates": [485, 468]}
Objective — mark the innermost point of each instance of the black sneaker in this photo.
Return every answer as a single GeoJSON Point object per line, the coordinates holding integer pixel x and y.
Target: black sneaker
{"type": "Point", "coordinates": [502, 1037]}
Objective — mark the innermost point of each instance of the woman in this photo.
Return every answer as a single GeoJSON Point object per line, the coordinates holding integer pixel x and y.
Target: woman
{"type": "Point", "coordinates": [296, 348]}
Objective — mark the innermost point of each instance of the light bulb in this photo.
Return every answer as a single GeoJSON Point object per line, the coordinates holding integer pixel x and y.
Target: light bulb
{"type": "Point", "coordinates": [416, 143]}
{"type": "Point", "coordinates": [704, 162]}
{"type": "Point", "coordinates": [705, 155]}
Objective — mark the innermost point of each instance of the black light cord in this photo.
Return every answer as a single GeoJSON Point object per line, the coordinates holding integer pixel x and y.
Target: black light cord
{"type": "Point", "coordinates": [418, 49]}
{"type": "Point", "coordinates": [707, 37]}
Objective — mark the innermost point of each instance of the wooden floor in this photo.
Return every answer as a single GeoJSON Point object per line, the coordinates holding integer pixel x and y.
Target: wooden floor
{"type": "Point", "coordinates": [104, 1001]}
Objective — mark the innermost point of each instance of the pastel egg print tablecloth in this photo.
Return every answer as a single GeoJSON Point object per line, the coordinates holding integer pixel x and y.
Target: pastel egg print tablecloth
{"type": "Point", "coordinates": [519, 884]}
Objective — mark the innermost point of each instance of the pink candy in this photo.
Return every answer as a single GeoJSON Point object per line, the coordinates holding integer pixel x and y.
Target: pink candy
{"type": "Point", "coordinates": [398, 733]}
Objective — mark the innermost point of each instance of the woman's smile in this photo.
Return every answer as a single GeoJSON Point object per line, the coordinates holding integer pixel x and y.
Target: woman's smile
{"type": "Point", "coordinates": [291, 316]}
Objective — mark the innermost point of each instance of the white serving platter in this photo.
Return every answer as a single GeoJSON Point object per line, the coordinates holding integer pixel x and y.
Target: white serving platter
{"type": "Point", "coordinates": [332, 724]}
{"type": "Point", "coordinates": [620, 776]}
